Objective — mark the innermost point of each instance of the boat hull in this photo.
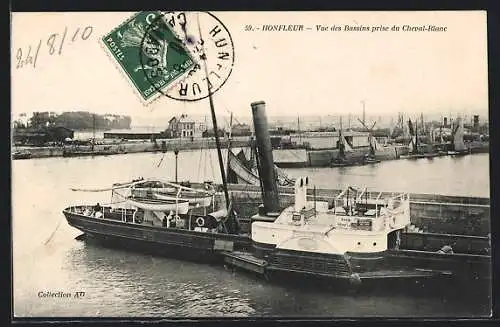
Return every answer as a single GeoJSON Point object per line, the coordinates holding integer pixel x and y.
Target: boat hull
{"type": "Point", "coordinates": [298, 164]}
{"type": "Point", "coordinates": [70, 154]}
{"type": "Point", "coordinates": [412, 156]}
{"type": "Point", "coordinates": [459, 153]}
{"type": "Point", "coordinates": [385, 265]}
{"type": "Point", "coordinates": [21, 156]}
{"type": "Point", "coordinates": [170, 242]}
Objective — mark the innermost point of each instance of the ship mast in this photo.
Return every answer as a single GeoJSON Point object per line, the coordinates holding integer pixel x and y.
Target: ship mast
{"type": "Point", "coordinates": [230, 136]}
{"type": "Point", "coordinates": [364, 112]}
{"type": "Point", "coordinates": [93, 131]}
{"type": "Point", "coordinates": [214, 122]}
{"type": "Point", "coordinates": [217, 142]}
{"type": "Point", "coordinates": [298, 129]}
{"type": "Point", "coordinates": [416, 135]}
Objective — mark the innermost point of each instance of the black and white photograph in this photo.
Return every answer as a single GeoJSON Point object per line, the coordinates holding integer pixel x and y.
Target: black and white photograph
{"type": "Point", "coordinates": [245, 164]}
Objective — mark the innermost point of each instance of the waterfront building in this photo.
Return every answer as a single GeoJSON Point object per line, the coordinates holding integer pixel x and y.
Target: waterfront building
{"type": "Point", "coordinates": [185, 127]}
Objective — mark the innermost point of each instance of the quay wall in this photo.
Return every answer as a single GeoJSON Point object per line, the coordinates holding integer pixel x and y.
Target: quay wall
{"type": "Point", "coordinates": [431, 213]}
{"type": "Point", "coordinates": [134, 147]}
{"type": "Point", "coordinates": [323, 158]}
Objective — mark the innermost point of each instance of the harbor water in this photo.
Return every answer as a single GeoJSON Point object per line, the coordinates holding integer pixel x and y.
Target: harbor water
{"type": "Point", "coordinates": [48, 260]}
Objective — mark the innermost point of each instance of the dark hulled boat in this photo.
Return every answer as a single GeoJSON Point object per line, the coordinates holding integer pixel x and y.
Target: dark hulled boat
{"type": "Point", "coordinates": [160, 217]}
{"type": "Point", "coordinates": [21, 154]}
{"type": "Point", "coordinates": [199, 237]}
{"type": "Point", "coordinates": [148, 221]}
{"type": "Point", "coordinates": [90, 152]}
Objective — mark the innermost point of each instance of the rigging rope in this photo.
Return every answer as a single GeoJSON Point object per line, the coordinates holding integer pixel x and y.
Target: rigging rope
{"type": "Point", "coordinates": [161, 160]}
{"type": "Point", "coordinates": [202, 153]}
{"type": "Point", "coordinates": [212, 166]}
{"type": "Point", "coordinates": [206, 159]}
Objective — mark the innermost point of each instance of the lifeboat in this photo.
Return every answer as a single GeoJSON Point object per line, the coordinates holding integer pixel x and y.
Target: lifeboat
{"type": "Point", "coordinates": [181, 207]}
{"type": "Point", "coordinates": [200, 199]}
{"type": "Point", "coordinates": [172, 192]}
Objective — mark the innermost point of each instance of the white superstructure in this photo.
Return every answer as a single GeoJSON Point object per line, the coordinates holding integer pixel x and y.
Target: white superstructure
{"type": "Point", "coordinates": [355, 221]}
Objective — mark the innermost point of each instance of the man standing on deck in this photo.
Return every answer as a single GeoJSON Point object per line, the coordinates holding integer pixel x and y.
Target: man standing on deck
{"type": "Point", "coordinates": [98, 210]}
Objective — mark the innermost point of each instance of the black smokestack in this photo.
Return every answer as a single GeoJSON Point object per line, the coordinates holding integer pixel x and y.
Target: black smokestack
{"type": "Point", "coordinates": [445, 122]}
{"type": "Point", "coordinates": [475, 123]}
{"type": "Point", "coordinates": [265, 158]}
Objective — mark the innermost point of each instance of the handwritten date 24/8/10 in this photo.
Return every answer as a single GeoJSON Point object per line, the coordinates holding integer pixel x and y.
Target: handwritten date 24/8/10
{"type": "Point", "coordinates": [53, 44]}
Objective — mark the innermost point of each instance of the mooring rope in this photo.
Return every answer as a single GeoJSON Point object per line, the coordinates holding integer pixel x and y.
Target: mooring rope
{"type": "Point", "coordinates": [54, 232]}
{"type": "Point", "coordinates": [60, 221]}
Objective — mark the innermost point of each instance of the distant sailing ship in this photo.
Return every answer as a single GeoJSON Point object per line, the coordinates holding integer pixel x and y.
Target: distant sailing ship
{"type": "Point", "coordinates": [458, 146]}
{"type": "Point", "coordinates": [416, 149]}
{"type": "Point", "coordinates": [344, 158]}
{"type": "Point", "coordinates": [341, 160]}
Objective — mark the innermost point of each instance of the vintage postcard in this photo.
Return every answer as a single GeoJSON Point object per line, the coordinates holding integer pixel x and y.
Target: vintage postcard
{"type": "Point", "coordinates": [177, 164]}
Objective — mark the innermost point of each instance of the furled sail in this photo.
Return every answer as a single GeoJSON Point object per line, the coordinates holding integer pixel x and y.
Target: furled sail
{"type": "Point", "coordinates": [458, 136]}
{"type": "Point", "coordinates": [347, 147]}
{"type": "Point", "coordinates": [239, 167]}
{"type": "Point", "coordinates": [411, 145]}
{"type": "Point", "coordinates": [242, 173]}
{"type": "Point", "coordinates": [373, 143]}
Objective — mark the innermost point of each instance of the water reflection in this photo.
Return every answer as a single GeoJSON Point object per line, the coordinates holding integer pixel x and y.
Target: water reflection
{"type": "Point", "coordinates": [151, 286]}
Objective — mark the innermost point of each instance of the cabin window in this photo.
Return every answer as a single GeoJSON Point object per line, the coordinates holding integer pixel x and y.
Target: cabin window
{"type": "Point", "coordinates": [296, 217]}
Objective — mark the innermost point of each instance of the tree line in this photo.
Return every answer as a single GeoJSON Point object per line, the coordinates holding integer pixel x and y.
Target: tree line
{"type": "Point", "coordinates": [76, 120]}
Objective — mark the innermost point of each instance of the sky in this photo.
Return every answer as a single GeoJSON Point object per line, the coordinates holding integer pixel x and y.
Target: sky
{"type": "Point", "coordinates": [295, 73]}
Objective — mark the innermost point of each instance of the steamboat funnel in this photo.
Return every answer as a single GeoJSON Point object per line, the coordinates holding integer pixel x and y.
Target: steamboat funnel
{"type": "Point", "coordinates": [267, 172]}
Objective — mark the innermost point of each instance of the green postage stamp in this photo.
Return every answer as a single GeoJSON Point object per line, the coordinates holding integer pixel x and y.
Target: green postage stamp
{"type": "Point", "coordinates": [149, 53]}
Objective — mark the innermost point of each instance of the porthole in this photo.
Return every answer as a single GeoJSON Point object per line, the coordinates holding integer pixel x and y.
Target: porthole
{"type": "Point", "coordinates": [374, 243]}
{"type": "Point", "coordinates": [359, 243]}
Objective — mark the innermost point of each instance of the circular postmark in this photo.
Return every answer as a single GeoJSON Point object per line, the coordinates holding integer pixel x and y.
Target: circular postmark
{"type": "Point", "coordinates": [186, 56]}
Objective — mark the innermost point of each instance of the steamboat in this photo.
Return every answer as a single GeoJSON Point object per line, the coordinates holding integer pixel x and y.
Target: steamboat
{"type": "Point", "coordinates": [358, 236]}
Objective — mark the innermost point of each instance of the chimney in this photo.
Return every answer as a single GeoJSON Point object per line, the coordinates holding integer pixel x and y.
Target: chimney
{"type": "Point", "coordinates": [301, 193]}
{"type": "Point", "coordinates": [445, 122]}
{"type": "Point", "coordinates": [267, 172]}
{"type": "Point", "coordinates": [475, 124]}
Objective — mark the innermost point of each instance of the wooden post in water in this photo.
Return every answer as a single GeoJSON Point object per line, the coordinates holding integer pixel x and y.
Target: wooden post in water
{"type": "Point", "coordinates": [176, 152]}
{"type": "Point", "coordinates": [267, 172]}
